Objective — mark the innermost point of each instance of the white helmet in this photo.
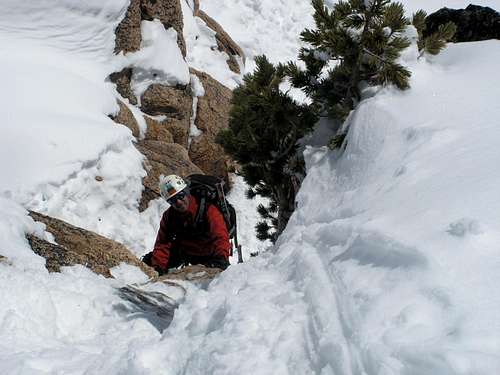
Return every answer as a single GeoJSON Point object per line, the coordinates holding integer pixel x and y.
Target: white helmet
{"type": "Point", "coordinates": [171, 185]}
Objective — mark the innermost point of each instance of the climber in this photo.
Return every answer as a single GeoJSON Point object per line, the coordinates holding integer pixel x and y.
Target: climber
{"type": "Point", "coordinates": [179, 241]}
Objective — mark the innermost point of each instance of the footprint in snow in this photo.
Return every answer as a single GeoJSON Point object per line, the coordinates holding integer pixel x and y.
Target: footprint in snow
{"type": "Point", "coordinates": [464, 226]}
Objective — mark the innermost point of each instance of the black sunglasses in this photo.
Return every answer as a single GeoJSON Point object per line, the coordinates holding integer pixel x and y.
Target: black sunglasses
{"type": "Point", "coordinates": [176, 197]}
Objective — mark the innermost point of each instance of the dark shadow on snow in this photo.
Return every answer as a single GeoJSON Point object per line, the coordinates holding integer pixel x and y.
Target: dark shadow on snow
{"type": "Point", "coordinates": [383, 252]}
{"type": "Point", "coordinates": [157, 308]}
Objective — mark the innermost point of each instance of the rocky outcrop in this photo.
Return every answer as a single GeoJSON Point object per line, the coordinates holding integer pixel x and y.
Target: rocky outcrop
{"type": "Point", "coordinates": [128, 32]}
{"type": "Point", "coordinates": [3, 259]}
{"type": "Point", "coordinates": [158, 131]}
{"type": "Point", "coordinates": [125, 117]}
{"type": "Point", "coordinates": [212, 115]}
{"type": "Point", "coordinates": [179, 130]}
{"type": "Point", "coordinates": [170, 101]}
{"type": "Point", "coordinates": [56, 256]}
{"type": "Point", "coordinates": [209, 157]}
{"type": "Point", "coordinates": [163, 159]}
{"type": "Point", "coordinates": [122, 81]}
{"type": "Point", "coordinates": [169, 12]}
{"type": "Point", "coordinates": [79, 246]}
{"type": "Point", "coordinates": [224, 42]}
{"type": "Point", "coordinates": [175, 104]}
{"type": "Point", "coordinates": [474, 23]}
{"type": "Point", "coordinates": [166, 139]}
{"type": "Point", "coordinates": [168, 111]}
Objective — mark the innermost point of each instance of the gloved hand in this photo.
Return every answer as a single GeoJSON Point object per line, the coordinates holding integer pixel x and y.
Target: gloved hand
{"type": "Point", "coordinates": [148, 259]}
{"type": "Point", "coordinates": [218, 262]}
{"type": "Point", "coordinates": [161, 271]}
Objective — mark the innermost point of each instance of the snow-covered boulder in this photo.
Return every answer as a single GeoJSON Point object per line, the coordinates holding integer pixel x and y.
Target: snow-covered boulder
{"type": "Point", "coordinates": [126, 117]}
{"type": "Point", "coordinates": [128, 32]}
{"type": "Point", "coordinates": [122, 80]}
{"type": "Point", "coordinates": [169, 12]}
{"type": "Point", "coordinates": [165, 100]}
{"type": "Point", "coordinates": [79, 246]}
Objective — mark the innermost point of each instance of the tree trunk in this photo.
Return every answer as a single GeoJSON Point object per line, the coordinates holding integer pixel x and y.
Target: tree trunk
{"type": "Point", "coordinates": [286, 203]}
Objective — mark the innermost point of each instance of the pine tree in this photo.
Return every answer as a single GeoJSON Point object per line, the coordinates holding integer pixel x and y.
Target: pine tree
{"type": "Point", "coordinates": [264, 127]}
{"type": "Point", "coordinates": [357, 41]}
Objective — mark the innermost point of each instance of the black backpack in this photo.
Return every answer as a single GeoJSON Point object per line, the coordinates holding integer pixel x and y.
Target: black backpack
{"type": "Point", "coordinates": [211, 189]}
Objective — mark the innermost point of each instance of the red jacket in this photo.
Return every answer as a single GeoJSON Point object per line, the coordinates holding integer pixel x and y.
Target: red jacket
{"type": "Point", "coordinates": [175, 231]}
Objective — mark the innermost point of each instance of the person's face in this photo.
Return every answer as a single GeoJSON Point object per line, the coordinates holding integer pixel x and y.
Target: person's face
{"type": "Point", "coordinates": [180, 202]}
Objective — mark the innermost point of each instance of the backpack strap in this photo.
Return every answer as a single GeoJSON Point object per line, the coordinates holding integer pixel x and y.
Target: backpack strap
{"type": "Point", "coordinates": [202, 208]}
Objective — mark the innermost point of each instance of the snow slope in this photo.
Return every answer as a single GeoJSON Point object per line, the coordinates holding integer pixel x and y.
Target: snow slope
{"type": "Point", "coordinates": [263, 27]}
{"type": "Point", "coordinates": [398, 272]}
{"type": "Point", "coordinates": [411, 233]}
{"type": "Point", "coordinates": [56, 135]}
{"type": "Point", "coordinates": [390, 265]}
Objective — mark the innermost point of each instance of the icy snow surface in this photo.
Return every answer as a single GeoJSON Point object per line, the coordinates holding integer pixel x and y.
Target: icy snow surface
{"type": "Point", "coordinates": [389, 266]}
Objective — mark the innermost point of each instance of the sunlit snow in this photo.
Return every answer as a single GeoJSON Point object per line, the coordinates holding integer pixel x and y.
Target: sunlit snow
{"type": "Point", "coordinates": [389, 266]}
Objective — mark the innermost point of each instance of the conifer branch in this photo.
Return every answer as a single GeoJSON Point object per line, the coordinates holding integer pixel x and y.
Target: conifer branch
{"type": "Point", "coordinates": [366, 50]}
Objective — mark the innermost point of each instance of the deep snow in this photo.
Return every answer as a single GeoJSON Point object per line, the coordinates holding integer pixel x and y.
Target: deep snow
{"type": "Point", "coordinates": [390, 265]}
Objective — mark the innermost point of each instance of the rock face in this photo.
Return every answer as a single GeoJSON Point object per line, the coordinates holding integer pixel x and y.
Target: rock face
{"type": "Point", "coordinates": [125, 117]}
{"type": "Point", "coordinates": [170, 101]}
{"type": "Point", "coordinates": [169, 12]}
{"type": "Point", "coordinates": [162, 159]}
{"type": "Point", "coordinates": [122, 80]}
{"type": "Point", "coordinates": [79, 246]}
{"type": "Point", "coordinates": [158, 131]}
{"type": "Point", "coordinates": [210, 157]}
{"type": "Point", "coordinates": [212, 115]}
{"type": "Point", "coordinates": [213, 108]}
{"type": "Point", "coordinates": [128, 32]}
{"type": "Point", "coordinates": [474, 23]}
{"type": "Point", "coordinates": [179, 130]}
{"type": "Point", "coordinates": [165, 158]}
{"type": "Point", "coordinates": [167, 110]}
